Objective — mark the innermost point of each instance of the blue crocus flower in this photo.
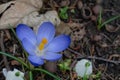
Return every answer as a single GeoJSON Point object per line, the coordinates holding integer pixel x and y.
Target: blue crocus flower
{"type": "Point", "coordinates": [42, 46]}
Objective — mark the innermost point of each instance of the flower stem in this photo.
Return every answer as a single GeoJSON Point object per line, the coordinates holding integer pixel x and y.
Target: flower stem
{"type": "Point", "coordinates": [30, 75]}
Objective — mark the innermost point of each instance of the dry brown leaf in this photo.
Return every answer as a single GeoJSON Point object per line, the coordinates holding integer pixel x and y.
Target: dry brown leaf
{"type": "Point", "coordinates": [15, 14]}
{"type": "Point", "coordinates": [32, 19]}
{"type": "Point", "coordinates": [96, 37]}
{"type": "Point", "coordinates": [35, 3]}
{"type": "Point", "coordinates": [78, 31]}
{"type": "Point", "coordinates": [114, 56]}
{"type": "Point", "coordinates": [51, 16]}
{"type": "Point", "coordinates": [14, 62]}
{"type": "Point", "coordinates": [111, 28]}
{"type": "Point", "coordinates": [75, 30]}
{"type": "Point", "coordinates": [3, 7]}
{"type": "Point", "coordinates": [63, 28]}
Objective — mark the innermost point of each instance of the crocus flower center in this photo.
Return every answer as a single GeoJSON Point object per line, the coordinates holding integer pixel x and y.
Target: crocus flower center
{"type": "Point", "coordinates": [42, 44]}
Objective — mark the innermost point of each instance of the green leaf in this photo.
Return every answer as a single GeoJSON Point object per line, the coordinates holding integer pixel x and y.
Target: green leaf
{"type": "Point", "coordinates": [18, 59]}
{"type": "Point", "coordinates": [52, 75]}
{"type": "Point", "coordinates": [100, 24]}
{"type": "Point", "coordinates": [65, 65]}
{"type": "Point", "coordinates": [63, 13]}
{"type": "Point", "coordinates": [98, 75]}
{"type": "Point", "coordinates": [109, 20]}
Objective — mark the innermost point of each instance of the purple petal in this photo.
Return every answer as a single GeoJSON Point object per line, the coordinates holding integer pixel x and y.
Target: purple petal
{"type": "Point", "coordinates": [35, 60]}
{"type": "Point", "coordinates": [59, 43]}
{"type": "Point", "coordinates": [46, 30]}
{"type": "Point", "coordinates": [51, 56]}
{"type": "Point", "coordinates": [28, 46]}
{"type": "Point", "coordinates": [23, 31]}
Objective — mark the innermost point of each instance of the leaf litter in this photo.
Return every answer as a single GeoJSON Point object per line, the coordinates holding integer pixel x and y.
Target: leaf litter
{"type": "Point", "coordinates": [102, 47]}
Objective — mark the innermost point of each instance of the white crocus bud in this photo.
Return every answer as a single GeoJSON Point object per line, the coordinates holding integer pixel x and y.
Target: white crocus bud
{"type": "Point", "coordinates": [83, 67]}
{"type": "Point", "coordinates": [13, 75]}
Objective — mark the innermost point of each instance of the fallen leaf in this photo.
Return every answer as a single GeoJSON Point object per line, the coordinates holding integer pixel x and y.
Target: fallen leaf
{"type": "Point", "coordinates": [3, 7]}
{"type": "Point", "coordinates": [34, 3]}
{"type": "Point", "coordinates": [14, 62]}
{"type": "Point", "coordinates": [96, 37]}
{"type": "Point", "coordinates": [111, 28]}
{"type": "Point", "coordinates": [19, 10]}
{"type": "Point", "coordinates": [78, 31]}
{"type": "Point", "coordinates": [32, 19]}
{"type": "Point", "coordinates": [63, 28]}
{"type": "Point", "coordinates": [51, 16]}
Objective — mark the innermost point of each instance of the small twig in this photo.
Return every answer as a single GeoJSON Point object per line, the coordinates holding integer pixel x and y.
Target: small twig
{"type": "Point", "coordinates": [3, 50]}
{"type": "Point", "coordinates": [93, 57]}
{"type": "Point", "coordinates": [106, 60]}
{"type": "Point", "coordinates": [106, 67]}
{"type": "Point", "coordinates": [108, 75]}
{"type": "Point", "coordinates": [75, 52]}
{"type": "Point", "coordinates": [106, 37]}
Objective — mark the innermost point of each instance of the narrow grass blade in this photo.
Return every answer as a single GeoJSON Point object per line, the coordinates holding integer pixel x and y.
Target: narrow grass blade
{"type": "Point", "coordinates": [99, 20]}
{"type": "Point", "coordinates": [109, 20]}
{"type": "Point", "coordinates": [52, 75]}
{"type": "Point", "coordinates": [19, 60]}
